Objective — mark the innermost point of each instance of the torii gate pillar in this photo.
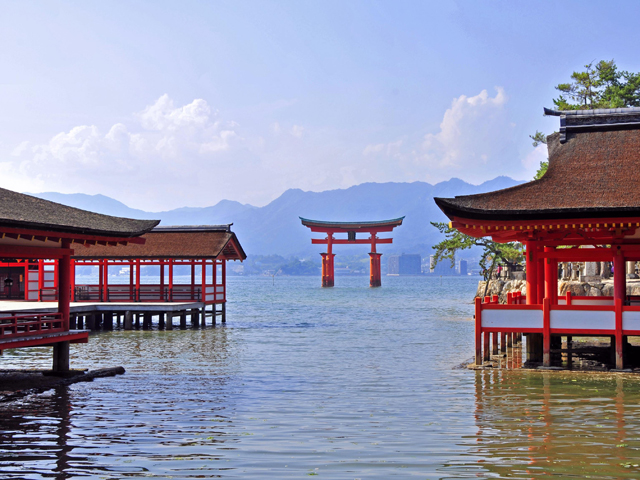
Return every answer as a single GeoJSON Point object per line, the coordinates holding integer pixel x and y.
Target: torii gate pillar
{"type": "Point", "coordinates": [327, 269]}
{"type": "Point", "coordinates": [375, 277]}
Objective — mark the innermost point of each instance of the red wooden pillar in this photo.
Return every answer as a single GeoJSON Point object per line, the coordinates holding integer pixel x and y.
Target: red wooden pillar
{"type": "Point", "coordinates": [540, 275]}
{"type": "Point", "coordinates": [106, 280]}
{"type": "Point", "coordinates": [224, 279]}
{"type": "Point", "coordinates": [375, 276]}
{"type": "Point", "coordinates": [327, 263]}
{"type": "Point", "coordinates": [132, 288]}
{"type": "Point", "coordinates": [204, 280]}
{"type": "Point", "coordinates": [193, 279]}
{"type": "Point", "coordinates": [171, 280]}
{"type": "Point", "coordinates": [100, 281]}
{"type": "Point", "coordinates": [73, 280]}
{"type": "Point", "coordinates": [61, 349]}
{"type": "Point", "coordinates": [138, 279]}
{"type": "Point", "coordinates": [40, 278]}
{"type": "Point", "coordinates": [161, 280]}
{"type": "Point", "coordinates": [619, 299]}
{"type": "Point", "coordinates": [64, 285]}
{"type": "Point", "coordinates": [551, 277]}
{"type": "Point", "coordinates": [546, 332]}
{"type": "Point", "coordinates": [478, 305]}
{"type": "Point", "coordinates": [532, 272]}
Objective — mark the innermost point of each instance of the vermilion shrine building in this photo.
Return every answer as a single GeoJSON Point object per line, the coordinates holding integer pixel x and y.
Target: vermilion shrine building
{"type": "Point", "coordinates": [586, 208]}
{"type": "Point", "coordinates": [351, 229]}
{"type": "Point", "coordinates": [185, 264]}
{"type": "Point", "coordinates": [32, 229]}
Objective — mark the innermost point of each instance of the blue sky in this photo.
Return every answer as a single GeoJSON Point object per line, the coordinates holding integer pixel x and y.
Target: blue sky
{"type": "Point", "coordinates": [169, 104]}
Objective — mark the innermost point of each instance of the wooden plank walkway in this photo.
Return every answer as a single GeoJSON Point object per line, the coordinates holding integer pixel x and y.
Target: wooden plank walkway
{"type": "Point", "coordinates": [127, 315]}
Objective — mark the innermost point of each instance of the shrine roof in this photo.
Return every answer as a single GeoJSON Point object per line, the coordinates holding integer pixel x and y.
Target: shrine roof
{"type": "Point", "coordinates": [202, 241]}
{"type": "Point", "coordinates": [594, 173]}
{"type": "Point", "coordinates": [18, 210]}
{"type": "Point", "coordinates": [346, 226]}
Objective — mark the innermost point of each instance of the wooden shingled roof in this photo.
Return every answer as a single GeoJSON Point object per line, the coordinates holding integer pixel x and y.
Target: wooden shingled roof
{"type": "Point", "coordinates": [594, 172]}
{"type": "Point", "coordinates": [21, 211]}
{"type": "Point", "coordinates": [207, 241]}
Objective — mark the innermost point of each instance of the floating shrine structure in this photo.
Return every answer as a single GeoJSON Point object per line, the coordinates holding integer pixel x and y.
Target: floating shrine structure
{"type": "Point", "coordinates": [183, 265]}
{"type": "Point", "coordinates": [351, 229]}
{"type": "Point", "coordinates": [586, 208]}
{"type": "Point", "coordinates": [31, 230]}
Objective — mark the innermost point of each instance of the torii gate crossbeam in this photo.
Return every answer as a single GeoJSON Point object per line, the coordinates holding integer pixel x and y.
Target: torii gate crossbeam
{"type": "Point", "coordinates": [351, 229]}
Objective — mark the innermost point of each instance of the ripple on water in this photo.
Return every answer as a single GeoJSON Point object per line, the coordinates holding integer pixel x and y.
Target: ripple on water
{"type": "Point", "coordinates": [349, 382]}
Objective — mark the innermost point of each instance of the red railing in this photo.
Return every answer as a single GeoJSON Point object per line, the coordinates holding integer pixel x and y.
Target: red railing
{"type": "Point", "coordinates": [149, 293]}
{"type": "Point", "coordinates": [24, 325]}
{"type": "Point", "coordinates": [516, 298]}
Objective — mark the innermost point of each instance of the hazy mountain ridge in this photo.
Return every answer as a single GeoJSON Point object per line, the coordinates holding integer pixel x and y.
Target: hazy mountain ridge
{"type": "Point", "coordinates": [276, 229]}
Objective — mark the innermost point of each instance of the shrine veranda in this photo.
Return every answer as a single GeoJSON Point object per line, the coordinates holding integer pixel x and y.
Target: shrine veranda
{"type": "Point", "coordinates": [586, 208]}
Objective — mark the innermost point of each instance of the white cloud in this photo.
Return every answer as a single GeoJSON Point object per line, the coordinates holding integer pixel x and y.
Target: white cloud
{"type": "Point", "coordinates": [390, 149]}
{"type": "Point", "coordinates": [475, 141]}
{"type": "Point", "coordinates": [20, 149]}
{"type": "Point", "coordinates": [164, 150]}
{"type": "Point", "coordinates": [297, 131]}
{"type": "Point", "coordinates": [471, 133]}
{"type": "Point", "coordinates": [167, 155]}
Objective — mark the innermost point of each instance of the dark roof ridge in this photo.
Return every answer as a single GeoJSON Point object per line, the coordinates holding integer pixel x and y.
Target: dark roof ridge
{"type": "Point", "coordinates": [194, 228]}
{"type": "Point", "coordinates": [307, 222]}
{"type": "Point", "coordinates": [589, 112]}
{"type": "Point", "coordinates": [19, 210]}
{"type": "Point", "coordinates": [603, 119]}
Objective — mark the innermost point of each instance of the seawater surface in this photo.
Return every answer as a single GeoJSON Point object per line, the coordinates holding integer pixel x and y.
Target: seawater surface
{"type": "Point", "coordinates": [345, 383]}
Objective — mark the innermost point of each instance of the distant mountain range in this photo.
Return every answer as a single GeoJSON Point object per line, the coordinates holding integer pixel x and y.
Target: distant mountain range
{"type": "Point", "coordinates": [276, 229]}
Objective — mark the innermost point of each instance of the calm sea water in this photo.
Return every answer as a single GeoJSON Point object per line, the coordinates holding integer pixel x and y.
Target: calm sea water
{"type": "Point", "coordinates": [344, 383]}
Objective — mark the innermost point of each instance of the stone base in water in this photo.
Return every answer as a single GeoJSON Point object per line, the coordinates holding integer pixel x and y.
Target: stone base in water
{"type": "Point", "coordinates": [589, 354]}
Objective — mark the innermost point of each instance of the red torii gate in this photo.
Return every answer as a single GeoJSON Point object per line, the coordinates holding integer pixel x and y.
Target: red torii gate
{"type": "Point", "coordinates": [351, 228]}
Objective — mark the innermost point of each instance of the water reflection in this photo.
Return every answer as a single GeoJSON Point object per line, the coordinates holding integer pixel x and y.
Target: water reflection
{"type": "Point", "coordinates": [533, 424]}
{"type": "Point", "coordinates": [167, 417]}
{"type": "Point", "coordinates": [34, 437]}
{"type": "Point", "coordinates": [353, 383]}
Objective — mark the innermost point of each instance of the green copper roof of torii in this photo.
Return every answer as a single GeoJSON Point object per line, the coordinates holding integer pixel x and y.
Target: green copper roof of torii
{"type": "Point", "coordinates": [379, 223]}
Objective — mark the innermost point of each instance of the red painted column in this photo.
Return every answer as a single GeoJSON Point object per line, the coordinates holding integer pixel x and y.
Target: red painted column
{"type": "Point", "coordinates": [325, 269]}
{"type": "Point", "coordinates": [106, 280]}
{"type": "Point", "coordinates": [619, 274]}
{"type": "Point", "coordinates": [64, 285]}
{"type": "Point", "coordinates": [532, 272]}
{"type": "Point", "coordinates": [138, 279]}
{"type": "Point", "coordinates": [224, 281]}
{"type": "Point", "coordinates": [100, 281]}
{"type": "Point", "coordinates": [540, 275]}
{"type": "Point", "coordinates": [551, 277]}
{"type": "Point", "coordinates": [619, 299]}
{"type": "Point", "coordinates": [131, 282]}
{"type": "Point", "coordinates": [171, 280]}
{"type": "Point", "coordinates": [327, 263]}
{"type": "Point", "coordinates": [546, 332]}
{"type": "Point", "coordinates": [73, 280]}
{"type": "Point", "coordinates": [478, 308]}
{"type": "Point", "coordinates": [204, 279]}
{"type": "Point", "coordinates": [40, 278]}
{"type": "Point", "coordinates": [193, 280]}
{"type": "Point", "coordinates": [375, 277]}
{"type": "Point", "coordinates": [161, 280]}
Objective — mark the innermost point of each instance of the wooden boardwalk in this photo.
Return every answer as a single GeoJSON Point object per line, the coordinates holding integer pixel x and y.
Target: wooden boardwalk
{"type": "Point", "coordinates": [126, 315]}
